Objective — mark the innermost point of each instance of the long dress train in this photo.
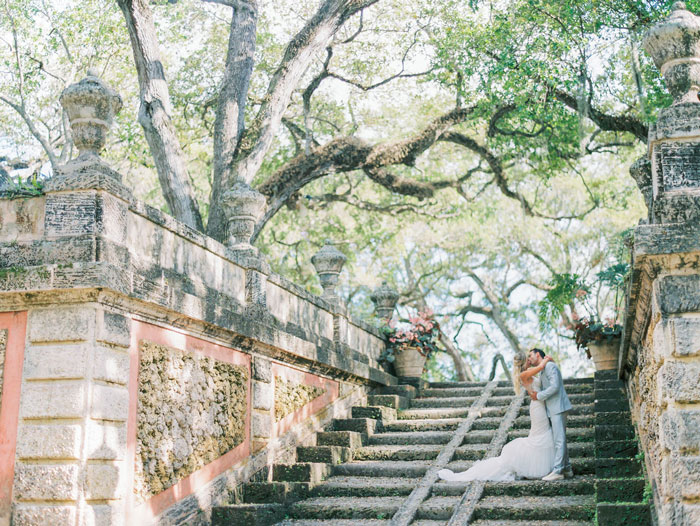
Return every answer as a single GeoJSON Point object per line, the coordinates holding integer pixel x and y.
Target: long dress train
{"type": "Point", "coordinates": [530, 457]}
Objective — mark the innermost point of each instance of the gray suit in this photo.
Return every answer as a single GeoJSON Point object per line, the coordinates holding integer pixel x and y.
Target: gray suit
{"type": "Point", "coordinates": [557, 404]}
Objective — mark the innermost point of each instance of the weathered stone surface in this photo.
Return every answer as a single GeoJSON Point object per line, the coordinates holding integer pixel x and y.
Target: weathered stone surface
{"type": "Point", "coordinates": [60, 324]}
{"type": "Point", "coordinates": [681, 476]}
{"type": "Point", "coordinates": [111, 365]}
{"type": "Point", "coordinates": [102, 515]}
{"type": "Point", "coordinates": [56, 361]}
{"type": "Point", "coordinates": [46, 482]}
{"type": "Point", "coordinates": [191, 410]}
{"type": "Point", "coordinates": [22, 219]}
{"type": "Point", "coordinates": [49, 441]}
{"type": "Point", "coordinates": [102, 482]}
{"type": "Point", "coordinates": [261, 424]}
{"type": "Point", "coordinates": [105, 440]}
{"type": "Point", "coordinates": [680, 429]}
{"type": "Point", "coordinates": [679, 294]}
{"type": "Point", "coordinates": [679, 381]}
{"type": "Point", "coordinates": [686, 336]}
{"type": "Point", "coordinates": [109, 403]}
{"type": "Point", "coordinates": [65, 399]}
{"type": "Point", "coordinates": [262, 369]}
{"type": "Point", "coordinates": [43, 515]}
{"type": "Point", "coordinates": [263, 396]}
{"type": "Point", "coordinates": [113, 328]}
{"type": "Point", "coordinates": [290, 396]}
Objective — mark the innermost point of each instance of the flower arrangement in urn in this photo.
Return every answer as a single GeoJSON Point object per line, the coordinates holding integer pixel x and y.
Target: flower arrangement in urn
{"type": "Point", "coordinates": [589, 311]}
{"type": "Point", "coordinates": [410, 344]}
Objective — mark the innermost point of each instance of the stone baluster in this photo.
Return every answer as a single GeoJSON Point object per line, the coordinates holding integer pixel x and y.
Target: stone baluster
{"type": "Point", "coordinates": [384, 299]}
{"type": "Point", "coordinates": [328, 263]}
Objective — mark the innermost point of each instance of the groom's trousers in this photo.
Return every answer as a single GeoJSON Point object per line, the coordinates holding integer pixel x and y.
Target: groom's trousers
{"type": "Point", "coordinates": [561, 452]}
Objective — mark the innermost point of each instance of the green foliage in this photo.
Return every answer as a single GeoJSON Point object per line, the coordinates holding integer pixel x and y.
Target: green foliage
{"type": "Point", "coordinates": [565, 288]}
{"type": "Point", "coordinates": [31, 187]}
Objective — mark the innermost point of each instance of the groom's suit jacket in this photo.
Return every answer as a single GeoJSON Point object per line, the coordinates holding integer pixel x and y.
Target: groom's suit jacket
{"type": "Point", "coordinates": [553, 393]}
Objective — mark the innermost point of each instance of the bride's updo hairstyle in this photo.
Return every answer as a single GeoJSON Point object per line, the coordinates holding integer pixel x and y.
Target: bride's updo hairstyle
{"type": "Point", "coordinates": [519, 365]}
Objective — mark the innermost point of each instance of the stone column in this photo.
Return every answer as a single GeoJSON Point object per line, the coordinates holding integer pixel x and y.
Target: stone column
{"type": "Point", "coordinates": [71, 441]}
{"type": "Point", "coordinates": [660, 353]}
{"type": "Point", "coordinates": [263, 403]}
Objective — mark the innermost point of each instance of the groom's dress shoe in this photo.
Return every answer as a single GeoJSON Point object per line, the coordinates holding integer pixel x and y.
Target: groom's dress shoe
{"type": "Point", "coordinates": [569, 473]}
{"type": "Point", "coordinates": [553, 476]}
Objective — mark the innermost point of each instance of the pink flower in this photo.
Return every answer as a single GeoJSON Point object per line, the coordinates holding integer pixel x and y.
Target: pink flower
{"type": "Point", "coordinates": [580, 293]}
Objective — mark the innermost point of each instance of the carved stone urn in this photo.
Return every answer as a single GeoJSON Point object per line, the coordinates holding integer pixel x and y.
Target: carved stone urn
{"type": "Point", "coordinates": [675, 47]}
{"type": "Point", "coordinates": [243, 207]}
{"type": "Point", "coordinates": [328, 263]}
{"type": "Point", "coordinates": [604, 353]}
{"type": "Point", "coordinates": [384, 299]}
{"type": "Point", "coordinates": [91, 106]}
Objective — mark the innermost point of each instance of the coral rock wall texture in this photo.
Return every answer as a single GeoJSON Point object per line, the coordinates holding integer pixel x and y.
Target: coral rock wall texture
{"type": "Point", "coordinates": [191, 410]}
{"type": "Point", "coordinates": [3, 345]}
{"type": "Point", "coordinates": [290, 396]}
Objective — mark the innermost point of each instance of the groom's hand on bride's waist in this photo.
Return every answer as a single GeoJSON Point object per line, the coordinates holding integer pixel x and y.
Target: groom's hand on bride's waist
{"type": "Point", "coordinates": [533, 395]}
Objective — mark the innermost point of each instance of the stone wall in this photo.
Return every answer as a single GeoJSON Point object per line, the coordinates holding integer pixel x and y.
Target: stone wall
{"type": "Point", "coordinates": [3, 347]}
{"type": "Point", "coordinates": [97, 274]}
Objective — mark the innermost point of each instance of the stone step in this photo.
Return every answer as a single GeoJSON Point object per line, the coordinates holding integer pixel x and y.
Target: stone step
{"type": "Point", "coordinates": [410, 437]}
{"type": "Point", "coordinates": [637, 514]}
{"type": "Point", "coordinates": [437, 508]}
{"type": "Point", "coordinates": [620, 490]}
{"type": "Point", "coordinates": [407, 391]}
{"type": "Point", "coordinates": [532, 508]}
{"type": "Point", "coordinates": [530, 523]}
{"type": "Point", "coordinates": [611, 393]}
{"type": "Point", "coordinates": [616, 448]}
{"type": "Point", "coordinates": [575, 381]}
{"type": "Point", "coordinates": [279, 492]}
{"type": "Point", "coordinates": [313, 472]}
{"type": "Point", "coordinates": [376, 412]}
{"type": "Point", "coordinates": [365, 487]}
{"type": "Point", "coordinates": [363, 426]}
{"type": "Point", "coordinates": [462, 402]}
{"type": "Point", "coordinates": [520, 488]}
{"type": "Point", "coordinates": [572, 421]}
{"type": "Point", "coordinates": [427, 424]}
{"type": "Point", "coordinates": [349, 439]}
{"type": "Point", "coordinates": [578, 409]}
{"type": "Point", "coordinates": [610, 405]}
{"type": "Point", "coordinates": [576, 434]}
{"type": "Point", "coordinates": [617, 468]}
{"type": "Point", "coordinates": [393, 401]}
{"type": "Point", "coordinates": [451, 385]}
{"type": "Point", "coordinates": [613, 418]}
{"type": "Point", "coordinates": [610, 374]}
{"type": "Point", "coordinates": [248, 514]}
{"type": "Point", "coordinates": [327, 454]}
{"type": "Point", "coordinates": [609, 384]}
{"type": "Point", "coordinates": [353, 522]}
{"type": "Point", "coordinates": [398, 452]}
{"type": "Point", "coordinates": [452, 392]}
{"type": "Point", "coordinates": [374, 468]}
{"type": "Point", "coordinates": [447, 412]}
{"type": "Point", "coordinates": [613, 432]}
{"type": "Point", "coordinates": [346, 508]}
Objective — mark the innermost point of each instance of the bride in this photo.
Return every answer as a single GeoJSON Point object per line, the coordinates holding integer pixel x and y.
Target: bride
{"type": "Point", "coordinates": [530, 457]}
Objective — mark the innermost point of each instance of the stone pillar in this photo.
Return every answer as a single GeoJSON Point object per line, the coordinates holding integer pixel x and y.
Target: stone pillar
{"type": "Point", "coordinates": [71, 441]}
{"type": "Point", "coordinates": [263, 403]}
{"type": "Point", "coordinates": [660, 353]}
{"type": "Point", "coordinates": [328, 263]}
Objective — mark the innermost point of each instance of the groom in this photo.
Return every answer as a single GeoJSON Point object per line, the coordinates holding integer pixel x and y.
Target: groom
{"type": "Point", "coordinates": [557, 404]}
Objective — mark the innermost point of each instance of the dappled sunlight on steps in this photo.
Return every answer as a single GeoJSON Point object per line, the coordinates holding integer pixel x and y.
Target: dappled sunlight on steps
{"type": "Point", "coordinates": [366, 468]}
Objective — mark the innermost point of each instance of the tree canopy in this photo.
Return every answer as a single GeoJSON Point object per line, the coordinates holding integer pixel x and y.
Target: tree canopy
{"type": "Point", "coordinates": [466, 152]}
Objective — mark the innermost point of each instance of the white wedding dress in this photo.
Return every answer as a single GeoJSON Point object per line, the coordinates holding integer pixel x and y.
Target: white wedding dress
{"type": "Point", "coordinates": [530, 457]}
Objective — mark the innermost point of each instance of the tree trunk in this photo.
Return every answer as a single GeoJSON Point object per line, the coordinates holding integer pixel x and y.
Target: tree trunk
{"type": "Point", "coordinates": [154, 114]}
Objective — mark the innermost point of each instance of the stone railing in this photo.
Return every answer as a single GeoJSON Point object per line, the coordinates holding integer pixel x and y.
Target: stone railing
{"type": "Point", "coordinates": [660, 352]}
{"type": "Point", "coordinates": [146, 368]}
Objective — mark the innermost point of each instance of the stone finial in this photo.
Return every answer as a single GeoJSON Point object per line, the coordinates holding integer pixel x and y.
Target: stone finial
{"type": "Point", "coordinates": [328, 263]}
{"type": "Point", "coordinates": [243, 207]}
{"type": "Point", "coordinates": [640, 171]}
{"type": "Point", "coordinates": [384, 299]}
{"type": "Point", "coordinates": [674, 44]}
{"type": "Point", "coordinates": [91, 106]}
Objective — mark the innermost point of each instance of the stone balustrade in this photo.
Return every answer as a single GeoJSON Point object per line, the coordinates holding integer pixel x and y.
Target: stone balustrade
{"type": "Point", "coordinates": [142, 362]}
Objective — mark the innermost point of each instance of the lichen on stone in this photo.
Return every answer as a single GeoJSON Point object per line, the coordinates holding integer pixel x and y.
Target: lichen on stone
{"type": "Point", "coordinates": [3, 345]}
{"type": "Point", "coordinates": [290, 396]}
{"type": "Point", "coordinates": [191, 411]}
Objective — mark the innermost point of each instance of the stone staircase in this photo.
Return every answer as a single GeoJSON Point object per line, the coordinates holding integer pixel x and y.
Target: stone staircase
{"type": "Point", "coordinates": [380, 466]}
